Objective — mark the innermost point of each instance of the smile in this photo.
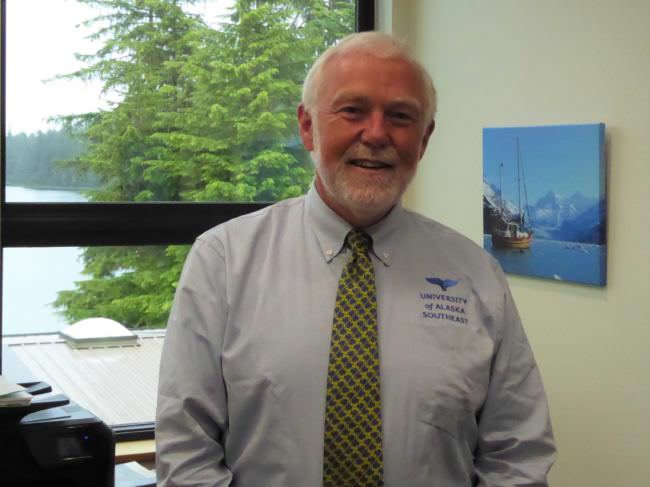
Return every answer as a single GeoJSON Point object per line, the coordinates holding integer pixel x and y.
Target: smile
{"type": "Point", "coordinates": [370, 164]}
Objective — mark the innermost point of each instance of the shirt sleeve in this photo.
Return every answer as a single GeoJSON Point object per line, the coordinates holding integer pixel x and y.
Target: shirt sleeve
{"type": "Point", "coordinates": [191, 413]}
{"type": "Point", "coordinates": [515, 445]}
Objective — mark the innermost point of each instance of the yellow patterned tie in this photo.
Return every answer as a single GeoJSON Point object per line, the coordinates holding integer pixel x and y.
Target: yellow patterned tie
{"type": "Point", "coordinates": [353, 451]}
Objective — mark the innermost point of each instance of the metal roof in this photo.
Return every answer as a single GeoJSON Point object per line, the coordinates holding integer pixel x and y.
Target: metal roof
{"type": "Point", "coordinates": [118, 384]}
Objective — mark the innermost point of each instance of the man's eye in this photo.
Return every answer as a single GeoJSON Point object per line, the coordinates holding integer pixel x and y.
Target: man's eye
{"type": "Point", "coordinates": [401, 116]}
{"type": "Point", "coordinates": [351, 110]}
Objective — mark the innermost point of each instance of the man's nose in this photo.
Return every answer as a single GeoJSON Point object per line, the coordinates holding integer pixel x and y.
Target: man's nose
{"type": "Point", "coordinates": [375, 132]}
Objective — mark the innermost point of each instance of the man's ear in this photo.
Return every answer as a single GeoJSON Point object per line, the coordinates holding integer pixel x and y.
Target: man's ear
{"type": "Point", "coordinates": [425, 139]}
{"type": "Point", "coordinates": [306, 125]}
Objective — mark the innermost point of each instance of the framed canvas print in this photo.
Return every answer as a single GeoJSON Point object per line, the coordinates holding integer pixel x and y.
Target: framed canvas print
{"type": "Point", "coordinates": [544, 201]}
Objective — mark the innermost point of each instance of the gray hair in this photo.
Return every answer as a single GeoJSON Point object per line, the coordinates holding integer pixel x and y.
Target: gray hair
{"type": "Point", "coordinates": [378, 44]}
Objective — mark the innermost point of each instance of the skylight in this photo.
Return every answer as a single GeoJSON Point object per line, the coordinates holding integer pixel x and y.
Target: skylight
{"type": "Point", "coordinates": [98, 332]}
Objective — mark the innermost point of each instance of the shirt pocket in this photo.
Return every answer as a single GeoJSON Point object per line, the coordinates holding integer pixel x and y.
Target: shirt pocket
{"type": "Point", "coordinates": [452, 368]}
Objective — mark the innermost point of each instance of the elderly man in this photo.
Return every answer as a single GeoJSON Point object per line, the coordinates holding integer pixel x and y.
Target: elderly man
{"type": "Point", "coordinates": [338, 339]}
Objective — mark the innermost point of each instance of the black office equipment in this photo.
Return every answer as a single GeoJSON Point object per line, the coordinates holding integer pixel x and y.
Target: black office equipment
{"type": "Point", "coordinates": [52, 442]}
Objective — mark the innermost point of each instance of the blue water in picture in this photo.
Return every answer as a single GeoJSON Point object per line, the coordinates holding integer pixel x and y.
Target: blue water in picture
{"type": "Point", "coordinates": [554, 259]}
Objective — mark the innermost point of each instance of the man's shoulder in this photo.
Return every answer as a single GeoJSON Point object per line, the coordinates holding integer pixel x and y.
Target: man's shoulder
{"type": "Point", "coordinates": [446, 242]}
{"type": "Point", "coordinates": [428, 228]}
{"type": "Point", "coordinates": [283, 213]}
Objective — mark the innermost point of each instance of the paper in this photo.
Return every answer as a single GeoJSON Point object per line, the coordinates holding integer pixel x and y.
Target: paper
{"type": "Point", "coordinates": [7, 387]}
{"type": "Point", "coordinates": [12, 394]}
{"type": "Point", "coordinates": [132, 474]}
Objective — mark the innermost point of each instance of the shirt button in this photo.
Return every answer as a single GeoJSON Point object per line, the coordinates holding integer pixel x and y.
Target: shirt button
{"type": "Point", "coordinates": [386, 255]}
{"type": "Point", "coordinates": [329, 252]}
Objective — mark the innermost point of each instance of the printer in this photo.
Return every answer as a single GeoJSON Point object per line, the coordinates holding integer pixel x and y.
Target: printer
{"type": "Point", "coordinates": [53, 442]}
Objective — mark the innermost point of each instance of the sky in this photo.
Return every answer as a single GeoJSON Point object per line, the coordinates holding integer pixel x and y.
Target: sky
{"type": "Point", "coordinates": [560, 158]}
{"type": "Point", "coordinates": [42, 38]}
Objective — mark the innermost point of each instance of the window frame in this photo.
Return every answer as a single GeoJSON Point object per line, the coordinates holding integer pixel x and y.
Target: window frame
{"type": "Point", "coordinates": [127, 223]}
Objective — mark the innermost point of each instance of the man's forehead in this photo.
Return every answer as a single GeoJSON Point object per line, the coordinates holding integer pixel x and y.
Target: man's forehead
{"type": "Point", "coordinates": [355, 95]}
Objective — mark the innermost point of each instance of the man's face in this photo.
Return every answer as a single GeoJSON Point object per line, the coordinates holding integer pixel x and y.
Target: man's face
{"type": "Point", "coordinates": [366, 133]}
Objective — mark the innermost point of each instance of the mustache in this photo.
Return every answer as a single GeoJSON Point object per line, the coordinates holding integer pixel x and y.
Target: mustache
{"type": "Point", "coordinates": [387, 155]}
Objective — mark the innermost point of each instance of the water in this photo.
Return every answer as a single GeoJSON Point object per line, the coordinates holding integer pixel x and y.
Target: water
{"type": "Point", "coordinates": [33, 276]}
{"type": "Point", "coordinates": [553, 259]}
{"type": "Point", "coordinates": [18, 194]}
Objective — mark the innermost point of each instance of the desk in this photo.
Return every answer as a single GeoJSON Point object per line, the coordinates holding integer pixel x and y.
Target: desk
{"type": "Point", "coordinates": [141, 451]}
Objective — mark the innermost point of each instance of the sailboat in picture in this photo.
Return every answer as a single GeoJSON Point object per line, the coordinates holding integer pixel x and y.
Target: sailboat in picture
{"type": "Point", "coordinates": [512, 230]}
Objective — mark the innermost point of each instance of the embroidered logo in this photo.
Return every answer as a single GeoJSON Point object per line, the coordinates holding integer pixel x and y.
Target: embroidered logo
{"type": "Point", "coordinates": [443, 283]}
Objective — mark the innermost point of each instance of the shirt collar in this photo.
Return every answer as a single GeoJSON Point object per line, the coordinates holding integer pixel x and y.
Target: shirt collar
{"type": "Point", "coordinates": [331, 229]}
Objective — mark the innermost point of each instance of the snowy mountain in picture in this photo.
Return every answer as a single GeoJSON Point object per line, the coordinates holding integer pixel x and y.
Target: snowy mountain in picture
{"type": "Point", "coordinates": [491, 194]}
{"type": "Point", "coordinates": [551, 210]}
{"type": "Point", "coordinates": [554, 217]}
{"type": "Point", "coordinates": [574, 219]}
{"type": "Point", "coordinates": [587, 227]}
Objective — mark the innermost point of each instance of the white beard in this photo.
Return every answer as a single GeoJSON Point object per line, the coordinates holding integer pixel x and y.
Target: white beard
{"type": "Point", "coordinates": [368, 195]}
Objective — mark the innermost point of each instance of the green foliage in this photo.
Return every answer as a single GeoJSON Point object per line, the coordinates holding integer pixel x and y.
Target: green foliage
{"type": "Point", "coordinates": [199, 114]}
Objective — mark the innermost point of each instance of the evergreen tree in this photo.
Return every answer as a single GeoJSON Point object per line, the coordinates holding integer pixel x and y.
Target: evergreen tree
{"type": "Point", "coordinates": [145, 43]}
{"type": "Point", "coordinates": [203, 115]}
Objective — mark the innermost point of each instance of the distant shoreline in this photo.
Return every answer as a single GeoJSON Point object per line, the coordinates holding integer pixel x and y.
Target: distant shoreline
{"type": "Point", "coordinates": [51, 188]}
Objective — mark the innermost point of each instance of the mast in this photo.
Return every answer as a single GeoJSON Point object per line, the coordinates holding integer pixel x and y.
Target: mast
{"type": "Point", "coordinates": [501, 181]}
{"type": "Point", "coordinates": [526, 207]}
{"type": "Point", "coordinates": [521, 222]}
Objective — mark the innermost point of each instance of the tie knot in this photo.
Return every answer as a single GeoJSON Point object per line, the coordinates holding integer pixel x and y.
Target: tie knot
{"type": "Point", "coordinates": [360, 242]}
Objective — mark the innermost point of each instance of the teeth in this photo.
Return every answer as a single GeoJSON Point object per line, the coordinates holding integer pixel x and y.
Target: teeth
{"type": "Point", "coordinates": [369, 164]}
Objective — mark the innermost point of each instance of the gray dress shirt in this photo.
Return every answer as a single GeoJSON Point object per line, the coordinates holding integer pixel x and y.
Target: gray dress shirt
{"type": "Point", "coordinates": [241, 397]}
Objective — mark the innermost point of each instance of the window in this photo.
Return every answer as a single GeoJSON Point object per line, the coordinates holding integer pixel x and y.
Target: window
{"type": "Point", "coordinates": [156, 121]}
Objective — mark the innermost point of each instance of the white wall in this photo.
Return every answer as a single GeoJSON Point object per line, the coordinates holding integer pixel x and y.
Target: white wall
{"type": "Point", "coordinates": [520, 62]}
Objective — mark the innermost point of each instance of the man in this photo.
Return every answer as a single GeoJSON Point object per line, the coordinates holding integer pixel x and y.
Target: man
{"type": "Point", "coordinates": [436, 385]}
